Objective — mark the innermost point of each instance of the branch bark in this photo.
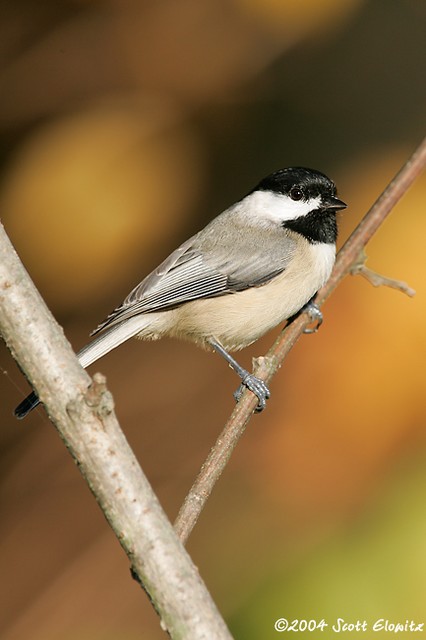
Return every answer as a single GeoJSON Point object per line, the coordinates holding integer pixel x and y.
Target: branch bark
{"type": "Point", "coordinates": [83, 413]}
{"type": "Point", "coordinates": [267, 366]}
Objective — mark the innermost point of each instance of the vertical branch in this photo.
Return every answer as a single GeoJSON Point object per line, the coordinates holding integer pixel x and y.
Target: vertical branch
{"type": "Point", "coordinates": [85, 419]}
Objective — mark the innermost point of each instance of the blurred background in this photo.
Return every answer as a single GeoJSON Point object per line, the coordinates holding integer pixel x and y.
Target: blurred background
{"type": "Point", "coordinates": [124, 127]}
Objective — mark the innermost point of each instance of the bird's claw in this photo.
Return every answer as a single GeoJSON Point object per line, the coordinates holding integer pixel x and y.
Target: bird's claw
{"type": "Point", "coordinates": [256, 386]}
{"type": "Point", "coordinates": [315, 316]}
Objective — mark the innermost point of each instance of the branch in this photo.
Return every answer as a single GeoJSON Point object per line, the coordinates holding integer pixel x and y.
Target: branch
{"type": "Point", "coordinates": [377, 279]}
{"type": "Point", "coordinates": [83, 413]}
{"type": "Point", "coordinates": [267, 366]}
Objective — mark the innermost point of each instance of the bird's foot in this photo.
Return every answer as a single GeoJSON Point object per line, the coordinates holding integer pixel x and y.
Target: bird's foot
{"type": "Point", "coordinates": [315, 316]}
{"type": "Point", "coordinates": [256, 386]}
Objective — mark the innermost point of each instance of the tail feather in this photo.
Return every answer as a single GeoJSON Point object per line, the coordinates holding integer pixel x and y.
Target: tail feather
{"type": "Point", "coordinates": [26, 406]}
{"type": "Point", "coordinates": [110, 339]}
{"type": "Point", "coordinates": [100, 346]}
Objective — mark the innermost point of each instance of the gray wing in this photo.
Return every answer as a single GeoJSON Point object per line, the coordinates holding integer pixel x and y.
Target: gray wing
{"type": "Point", "coordinates": [212, 263]}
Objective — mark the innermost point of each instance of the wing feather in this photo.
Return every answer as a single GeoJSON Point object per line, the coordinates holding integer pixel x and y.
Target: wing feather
{"type": "Point", "coordinates": [196, 271]}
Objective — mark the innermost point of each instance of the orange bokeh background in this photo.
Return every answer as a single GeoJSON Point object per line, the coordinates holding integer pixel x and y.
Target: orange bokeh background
{"type": "Point", "coordinates": [125, 126]}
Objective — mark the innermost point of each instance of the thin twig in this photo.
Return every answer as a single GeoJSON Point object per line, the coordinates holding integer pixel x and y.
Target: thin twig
{"type": "Point", "coordinates": [378, 279]}
{"type": "Point", "coordinates": [84, 416]}
{"type": "Point", "coordinates": [266, 367]}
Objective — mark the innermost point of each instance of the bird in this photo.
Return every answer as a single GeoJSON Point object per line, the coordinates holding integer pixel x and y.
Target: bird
{"type": "Point", "coordinates": [257, 264]}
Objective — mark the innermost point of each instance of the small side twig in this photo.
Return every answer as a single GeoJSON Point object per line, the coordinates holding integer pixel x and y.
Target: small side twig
{"type": "Point", "coordinates": [266, 367]}
{"type": "Point", "coordinates": [377, 279]}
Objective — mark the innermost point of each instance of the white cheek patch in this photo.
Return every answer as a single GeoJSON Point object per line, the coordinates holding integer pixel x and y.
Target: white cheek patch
{"type": "Point", "coordinates": [267, 206]}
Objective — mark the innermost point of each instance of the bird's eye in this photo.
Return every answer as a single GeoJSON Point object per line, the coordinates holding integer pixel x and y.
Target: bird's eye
{"type": "Point", "coordinates": [296, 193]}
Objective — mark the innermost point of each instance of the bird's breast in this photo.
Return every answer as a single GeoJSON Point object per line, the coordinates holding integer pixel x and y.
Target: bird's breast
{"type": "Point", "coordinates": [238, 319]}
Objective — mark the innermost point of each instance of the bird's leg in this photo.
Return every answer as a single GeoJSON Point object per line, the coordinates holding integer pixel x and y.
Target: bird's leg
{"type": "Point", "coordinates": [315, 315]}
{"type": "Point", "coordinates": [255, 385]}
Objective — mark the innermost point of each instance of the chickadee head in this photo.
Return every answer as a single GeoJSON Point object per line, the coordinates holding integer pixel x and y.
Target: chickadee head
{"type": "Point", "coordinates": [300, 199]}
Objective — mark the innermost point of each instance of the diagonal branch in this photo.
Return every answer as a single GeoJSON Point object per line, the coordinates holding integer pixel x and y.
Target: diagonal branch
{"type": "Point", "coordinates": [83, 413]}
{"type": "Point", "coordinates": [267, 366]}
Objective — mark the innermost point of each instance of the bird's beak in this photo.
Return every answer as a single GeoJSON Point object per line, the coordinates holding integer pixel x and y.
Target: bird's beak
{"type": "Point", "coordinates": [331, 202]}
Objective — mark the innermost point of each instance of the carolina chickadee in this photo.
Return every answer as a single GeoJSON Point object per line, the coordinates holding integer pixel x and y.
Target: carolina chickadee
{"type": "Point", "coordinates": [255, 265]}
